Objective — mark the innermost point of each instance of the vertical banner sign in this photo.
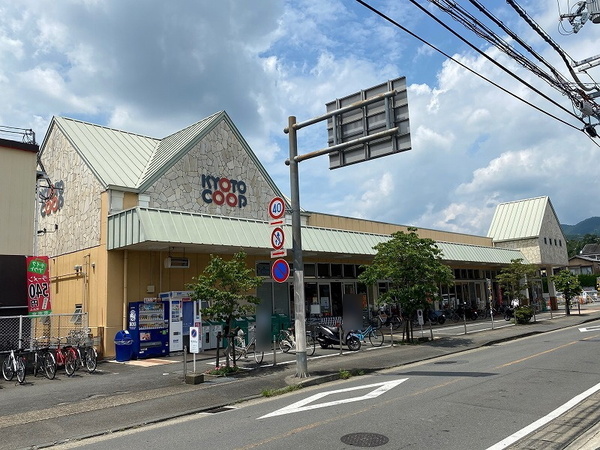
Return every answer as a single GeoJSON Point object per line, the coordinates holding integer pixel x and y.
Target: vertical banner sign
{"type": "Point", "coordinates": [38, 286]}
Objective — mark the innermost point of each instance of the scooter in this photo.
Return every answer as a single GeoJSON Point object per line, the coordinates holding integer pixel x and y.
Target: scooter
{"type": "Point", "coordinates": [328, 336]}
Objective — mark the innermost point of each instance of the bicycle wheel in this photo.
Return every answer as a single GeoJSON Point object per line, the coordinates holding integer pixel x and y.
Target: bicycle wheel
{"type": "Point", "coordinates": [21, 364]}
{"type": "Point", "coordinates": [396, 323]}
{"type": "Point", "coordinates": [91, 359]}
{"type": "Point", "coordinates": [353, 343]}
{"type": "Point", "coordinates": [376, 337]}
{"type": "Point", "coordinates": [283, 342]}
{"type": "Point", "coordinates": [37, 363]}
{"type": "Point", "coordinates": [455, 317]}
{"type": "Point", "coordinates": [258, 356]}
{"type": "Point", "coordinates": [77, 355]}
{"type": "Point", "coordinates": [7, 368]}
{"type": "Point", "coordinates": [49, 362]}
{"type": "Point", "coordinates": [70, 363]}
{"type": "Point", "coordinates": [311, 344]}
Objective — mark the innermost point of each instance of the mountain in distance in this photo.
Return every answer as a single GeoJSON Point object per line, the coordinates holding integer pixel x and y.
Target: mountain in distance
{"type": "Point", "coordinates": [591, 225]}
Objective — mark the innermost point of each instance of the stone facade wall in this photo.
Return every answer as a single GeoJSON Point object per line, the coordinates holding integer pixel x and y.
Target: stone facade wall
{"type": "Point", "coordinates": [529, 247]}
{"type": "Point", "coordinates": [552, 241]}
{"type": "Point", "coordinates": [76, 208]}
{"type": "Point", "coordinates": [216, 177]}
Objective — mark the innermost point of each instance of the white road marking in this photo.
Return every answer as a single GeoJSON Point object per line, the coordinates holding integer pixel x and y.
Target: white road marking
{"type": "Point", "coordinates": [586, 329]}
{"type": "Point", "coordinates": [303, 405]}
{"type": "Point", "coordinates": [544, 420]}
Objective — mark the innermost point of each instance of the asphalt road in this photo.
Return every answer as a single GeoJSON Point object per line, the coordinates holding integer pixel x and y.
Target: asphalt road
{"type": "Point", "coordinates": [480, 399]}
{"type": "Point", "coordinates": [137, 394]}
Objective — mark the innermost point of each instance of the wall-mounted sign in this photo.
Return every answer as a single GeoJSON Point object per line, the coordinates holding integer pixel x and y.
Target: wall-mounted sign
{"type": "Point", "coordinates": [38, 286]}
{"type": "Point", "coordinates": [222, 191]}
{"type": "Point", "coordinates": [52, 198]}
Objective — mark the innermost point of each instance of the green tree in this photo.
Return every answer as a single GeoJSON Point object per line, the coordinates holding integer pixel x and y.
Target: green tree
{"type": "Point", "coordinates": [567, 283]}
{"type": "Point", "coordinates": [413, 267]}
{"type": "Point", "coordinates": [228, 287]}
{"type": "Point", "coordinates": [515, 279]}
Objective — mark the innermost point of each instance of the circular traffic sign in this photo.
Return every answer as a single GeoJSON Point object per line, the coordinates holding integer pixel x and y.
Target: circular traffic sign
{"type": "Point", "coordinates": [277, 238]}
{"type": "Point", "coordinates": [194, 332]}
{"type": "Point", "coordinates": [280, 270]}
{"type": "Point", "coordinates": [276, 208]}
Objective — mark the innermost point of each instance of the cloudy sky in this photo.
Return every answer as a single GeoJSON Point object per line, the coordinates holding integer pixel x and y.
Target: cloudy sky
{"type": "Point", "coordinates": [153, 67]}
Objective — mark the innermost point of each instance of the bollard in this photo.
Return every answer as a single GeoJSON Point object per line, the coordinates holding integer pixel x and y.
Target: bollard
{"type": "Point", "coordinates": [184, 363]}
{"type": "Point", "coordinates": [219, 337]}
{"type": "Point", "coordinates": [274, 351]}
{"type": "Point", "coordinates": [232, 345]}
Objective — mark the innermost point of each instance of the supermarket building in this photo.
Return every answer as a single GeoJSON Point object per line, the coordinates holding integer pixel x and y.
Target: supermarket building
{"type": "Point", "coordinates": [139, 216]}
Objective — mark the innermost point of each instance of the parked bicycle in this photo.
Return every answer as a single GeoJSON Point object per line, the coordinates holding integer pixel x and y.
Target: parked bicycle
{"type": "Point", "coordinates": [86, 353]}
{"type": "Point", "coordinates": [43, 358]}
{"type": "Point", "coordinates": [287, 341]}
{"type": "Point", "coordinates": [392, 321]}
{"type": "Point", "coordinates": [66, 356]}
{"type": "Point", "coordinates": [242, 350]}
{"type": "Point", "coordinates": [15, 364]}
{"type": "Point", "coordinates": [373, 333]}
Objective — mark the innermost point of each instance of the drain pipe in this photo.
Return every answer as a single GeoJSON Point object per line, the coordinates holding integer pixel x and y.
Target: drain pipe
{"type": "Point", "coordinates": [125, 305]}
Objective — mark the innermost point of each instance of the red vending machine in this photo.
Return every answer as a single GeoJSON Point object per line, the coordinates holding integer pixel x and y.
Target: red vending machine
{"type": "Point", "coordinates": [149, 328]}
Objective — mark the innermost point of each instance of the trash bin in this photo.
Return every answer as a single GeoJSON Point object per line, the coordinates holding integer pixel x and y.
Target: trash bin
{"type": "Point", "coordinates": [123, 345]}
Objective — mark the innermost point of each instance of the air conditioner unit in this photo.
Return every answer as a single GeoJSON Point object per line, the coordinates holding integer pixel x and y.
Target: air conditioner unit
{"type": "Point", "coordinates": [177, 263]}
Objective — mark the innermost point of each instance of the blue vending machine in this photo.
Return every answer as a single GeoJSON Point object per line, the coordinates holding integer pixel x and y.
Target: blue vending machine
{"type": "Point", "coordinates": [149, 328]}
{"type": "Point", "coordinates": [176, 305]}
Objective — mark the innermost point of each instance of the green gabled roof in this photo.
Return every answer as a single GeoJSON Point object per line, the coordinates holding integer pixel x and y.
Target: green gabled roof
{"type": "Point", "coordinates": [172, 147]}
{"type": "Point", "coordinates": [133, 162]}
{"type": "Point", "coordinates": [117, 158]}
{"type": "Point", "coordinates": [156, 229]}
{"type": "Point", "coordinates": [520, 219]}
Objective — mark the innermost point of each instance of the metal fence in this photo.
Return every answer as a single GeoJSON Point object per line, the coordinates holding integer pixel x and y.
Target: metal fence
{"type": "Point", "coordinates": [23, 331]}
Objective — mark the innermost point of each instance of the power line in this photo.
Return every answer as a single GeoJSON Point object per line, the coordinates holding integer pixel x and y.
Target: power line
{"type": "Point", "coordinates": [393, 22]}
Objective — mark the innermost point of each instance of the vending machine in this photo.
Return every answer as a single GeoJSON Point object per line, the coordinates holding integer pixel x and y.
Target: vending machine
{"type": "Point", "coordinates": [149, 328]}
{"type": "Point", "coordinates": [174, 311]}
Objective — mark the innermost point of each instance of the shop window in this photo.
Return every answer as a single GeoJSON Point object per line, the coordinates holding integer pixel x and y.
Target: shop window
{"type": "Point", "coordinates": [349, 271]}
{"type": "Point", "coordinates": [336, 271]}
{"type": "Point", "coordinates": [359, 270]}
{"type": "Point", "coordinates": [323, 270]}
{"type": "Point", "coordinates": [263, 269]}
{"type": "Point", "coordinates": [309, 270]}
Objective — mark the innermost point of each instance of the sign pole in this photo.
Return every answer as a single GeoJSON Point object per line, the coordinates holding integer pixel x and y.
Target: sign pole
{"type": "Point", "coordinates": [299, 319]}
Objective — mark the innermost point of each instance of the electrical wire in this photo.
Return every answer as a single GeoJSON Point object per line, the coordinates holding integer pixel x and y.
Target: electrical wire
{"type": "Point", "coordinates": [406, 30]}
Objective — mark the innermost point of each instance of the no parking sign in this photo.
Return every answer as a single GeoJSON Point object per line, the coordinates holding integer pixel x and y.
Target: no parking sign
{"type": "Point", "coordinates": [194, 340]}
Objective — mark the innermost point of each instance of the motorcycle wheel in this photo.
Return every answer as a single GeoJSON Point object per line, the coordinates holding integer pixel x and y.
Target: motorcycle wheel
{"type": "Point", "coordinates": [441, 320]}
{"type": "Point", "coordinates": [353, 343]}
{"type": "Point", "coordinates": [507, 317]}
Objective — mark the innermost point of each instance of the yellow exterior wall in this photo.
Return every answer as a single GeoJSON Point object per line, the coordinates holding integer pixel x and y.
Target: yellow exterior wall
{"type": "Point", "coordinates": [17, 182]}
{"type": "Point", "coordinates": [368, 226]}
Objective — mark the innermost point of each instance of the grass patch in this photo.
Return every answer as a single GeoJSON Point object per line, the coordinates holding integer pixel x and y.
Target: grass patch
{"type": "Point", "coordinates": [280, 391]}
{"type": "Point", "coordinates": [345, 374]}
{"type": "Point", "coordinates": [224, 370]}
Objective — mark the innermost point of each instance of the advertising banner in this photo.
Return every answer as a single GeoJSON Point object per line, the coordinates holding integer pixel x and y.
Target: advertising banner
{"type": "Point", "coordinates": [38, 286]}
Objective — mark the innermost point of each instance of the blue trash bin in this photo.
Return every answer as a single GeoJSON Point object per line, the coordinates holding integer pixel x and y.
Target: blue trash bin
{"type": "Point", "coordinates": [123, 345]}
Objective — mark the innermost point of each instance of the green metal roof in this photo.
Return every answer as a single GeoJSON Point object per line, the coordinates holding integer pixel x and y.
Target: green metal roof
{"type": "Point", "coordinates": [156, 229]}
{"type": "Point", "coordinates": [133, 162]}
{"type": "Point", "coordinates": [519, 219]}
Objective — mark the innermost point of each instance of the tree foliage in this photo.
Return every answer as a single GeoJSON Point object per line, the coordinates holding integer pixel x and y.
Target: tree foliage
{"type": "Point", "coordinates": [228, 287]}
{"type": "Point", "coordinates": [412, 265]}
{"type": "Point", "coordinates": [567, 283]}
{"type": "Point", "coordinates": [515, 279]}
{"type": "Point", "coordinates": [575, 245]}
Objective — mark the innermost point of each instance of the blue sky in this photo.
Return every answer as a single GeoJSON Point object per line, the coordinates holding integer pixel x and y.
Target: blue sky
{"type": "Point", "coordinates": [153, 67]}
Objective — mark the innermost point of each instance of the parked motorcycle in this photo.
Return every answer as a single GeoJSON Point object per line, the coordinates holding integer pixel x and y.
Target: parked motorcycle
{"type": "Point", "coordinates": [509, 313]}
{"type": "Point", "coordinates": [328, 336]}
{"type": "Point", "coordinates": [469, 313]}
{"type": "Point", "coordinates": [436, 316]}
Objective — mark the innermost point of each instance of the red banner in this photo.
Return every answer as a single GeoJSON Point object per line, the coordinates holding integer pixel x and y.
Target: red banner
{"type": "Point", "coordinates": [38, 286]}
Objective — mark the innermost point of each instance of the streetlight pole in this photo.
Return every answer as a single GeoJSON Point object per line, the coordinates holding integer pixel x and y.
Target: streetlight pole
{"type": "Point", "coordinates": [299, 309]}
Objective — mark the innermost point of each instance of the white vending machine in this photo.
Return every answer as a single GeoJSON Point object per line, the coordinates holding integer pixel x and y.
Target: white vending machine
{"type": "Point", "coordinates": [174, 305]}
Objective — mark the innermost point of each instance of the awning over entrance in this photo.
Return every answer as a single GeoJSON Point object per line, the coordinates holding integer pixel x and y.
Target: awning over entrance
{"type": "Point", "coordinates": [148, 229]}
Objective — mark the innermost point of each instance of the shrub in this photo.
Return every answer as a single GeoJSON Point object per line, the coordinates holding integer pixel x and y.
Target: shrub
{"type": "Point", "coordinates": [523, 314]}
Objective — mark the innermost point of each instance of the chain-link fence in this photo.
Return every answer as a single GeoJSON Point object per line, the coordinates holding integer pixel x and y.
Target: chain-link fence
{"type": "Point", "coordinates": [23, 331]}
